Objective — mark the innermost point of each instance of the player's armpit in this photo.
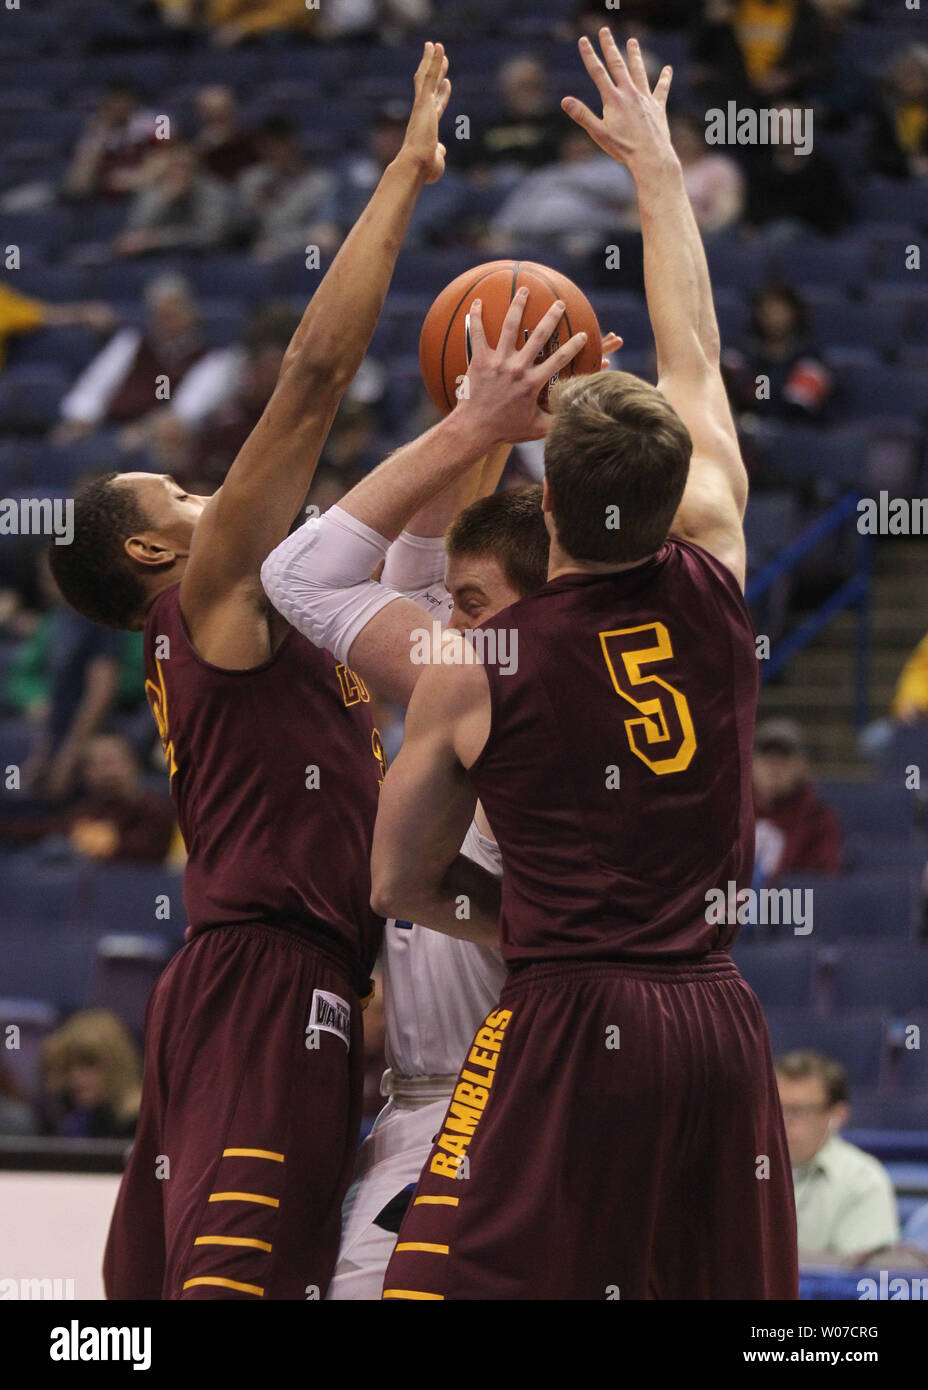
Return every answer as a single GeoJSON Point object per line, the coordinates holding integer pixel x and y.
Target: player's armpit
{"type": "Point", "coordinates": [709, 516]}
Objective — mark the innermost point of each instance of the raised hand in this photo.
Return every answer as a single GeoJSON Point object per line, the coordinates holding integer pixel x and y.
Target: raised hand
{"type": "Point", "coordinates": [633, 127]}
{"type": "Point", "coordinates": [433, 89]}
{"type": "Point", "coordinates": [503, 384]}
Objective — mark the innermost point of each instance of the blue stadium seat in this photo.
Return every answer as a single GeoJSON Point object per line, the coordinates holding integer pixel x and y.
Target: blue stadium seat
{"type": "Point", "coordinates": [769, 524]}
{"type": "Point", "coordinates": [856, 1039]}
{"type": "Point", "coordinates": [840, 262]}
{"type": "Point", "coordinates": [738, 264]}
{"type": "Point", "coordinates": [132, 897]}
{"type": "Point", "coordinates": [34, 1019]}
{"type": "Point", "coordinates": [125, 973]}
{"type": "Point", "coordinates": [779, 973]}
{"type": "Point", "coordinates": [30, 396]}
{"type": "Point", "coordinates": [813, 455]}
{"type": "Point", "coordinates": [869, 973]}
{"type": "Point", "coordinates": [864, 806]}
{"type": "Point", "coordinates": [883, 905]}
{"type": "Point", "coordinates": [908, 1050]}
{"type": "Point", "coordinates": [69, 347]}
{"type": "Point", "coordinates": [50, 959]}
{"type": "Point", "coordinates": [875, 1109]}
{"type": "Point", "coordinates": [885, 391]}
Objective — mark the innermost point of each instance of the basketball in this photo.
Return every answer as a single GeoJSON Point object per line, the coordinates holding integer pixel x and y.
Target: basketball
{"type": "Point", "coordinates": [444, 343]}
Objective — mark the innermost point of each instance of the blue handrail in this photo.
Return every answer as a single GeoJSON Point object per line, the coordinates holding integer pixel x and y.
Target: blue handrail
{"type": "Point", "coordinates": [854, 593]}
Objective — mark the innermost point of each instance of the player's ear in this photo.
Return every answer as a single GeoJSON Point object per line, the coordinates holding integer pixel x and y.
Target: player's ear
{"type": "Point", "coordinates": [545, 496]}
{"type": "Point", "coordinates": [148, 550]}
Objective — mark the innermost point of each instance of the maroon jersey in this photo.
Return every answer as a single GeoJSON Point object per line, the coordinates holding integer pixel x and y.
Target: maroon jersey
{"type": "Point", "coordinates": [275, 773]}
{"type": "Point", "coordinates": [617, 773]}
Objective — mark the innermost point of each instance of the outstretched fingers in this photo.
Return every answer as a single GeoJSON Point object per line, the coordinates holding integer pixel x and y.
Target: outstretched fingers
{"type": "Point", "coordinates": [478, 338]}
{"type": "Point", "coordinates": [579, 112]}
{"type": "Point", "coordinates": [662, 90]}
{"type": "Point", "coordinates": [636, 67]}
{"type": "Point", "coordinates": [559, 360]}
{"type": "Point", "coordinates": [543, 329]}
{"type": "Point", "coordinates": [594, 66]}
{"type": "Point", "coordinates": [509, 333]}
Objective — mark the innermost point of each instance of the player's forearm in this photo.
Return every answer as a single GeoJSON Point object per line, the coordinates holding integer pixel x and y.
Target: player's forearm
{"type": "Point", "coordinates": [465, 904]}
{"type": "Point", "coordinates": [677, 283]}
{"type": "Point", "coordinates": [411, 479]}
{"type": "Point", "coordinates": [341, 316]}
{"type": "Point", "coordinates": [480, 480]}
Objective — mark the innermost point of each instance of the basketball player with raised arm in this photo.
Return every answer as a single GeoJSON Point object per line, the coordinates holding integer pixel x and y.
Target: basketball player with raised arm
{"type": "Point", "coordinates": [615, 1131]}
{"type": "Point", "coordinates": [252, 1084]}
{"type": "Point", "coordinates": [436, 990]}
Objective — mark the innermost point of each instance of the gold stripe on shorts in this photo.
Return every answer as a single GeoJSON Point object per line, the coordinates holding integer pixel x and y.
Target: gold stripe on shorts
{"type": "Point", "coordinates": [244, 1197]}
{"type": "Point", "coordinates": [436, 1201]}
{"type": "Point", "coordinates": [412, 1293]}
{"type": "Point", "coordinates": [233, 1240]}
{"type": "Point", "coordinates": [226, 1284]}
{"type": "Point", "coordinates": [252, 1153]}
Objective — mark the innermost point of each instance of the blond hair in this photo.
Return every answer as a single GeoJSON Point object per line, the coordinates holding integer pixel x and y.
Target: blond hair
{"type": "Point", "coordinates": [98, 1037]}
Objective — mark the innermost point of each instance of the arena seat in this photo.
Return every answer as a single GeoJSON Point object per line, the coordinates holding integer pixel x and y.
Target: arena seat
{"type": "Point", "coordinates": [35, 1019]}
{"type": "Point", "coordinates": [892, 975]}
{"type": "Point", "coordinates": [883, 905]}
{"type": "Point", "coordinates": [126, 970]}
{"type": "Point", "coordinates": [856, 1039]}
{"type": "Point", "coordinates": [50, 958]}
{"type": "Point", "coordinates": [134, 897]}
{"type": "Point", "coordinates": [779, 973]}
{"type": "Point", "coordinates": [865, 806]}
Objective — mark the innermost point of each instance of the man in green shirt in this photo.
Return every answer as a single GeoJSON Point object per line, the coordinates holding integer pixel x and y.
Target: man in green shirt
{"type": "Point", "coordinates": [845, 1203]}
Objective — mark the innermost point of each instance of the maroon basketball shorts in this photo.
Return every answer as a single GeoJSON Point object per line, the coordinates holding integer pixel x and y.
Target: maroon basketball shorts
{"type": "Point", "coordinates": [249, 1124]}
{"type": "Point", "coordinates": [615, 1132]}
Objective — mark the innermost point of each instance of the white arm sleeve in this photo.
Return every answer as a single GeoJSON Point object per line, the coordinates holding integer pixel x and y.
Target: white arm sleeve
{"type": "Point", "coordinates": [415, 567]}
{"type": "Point", "coordinates": [319, 579]}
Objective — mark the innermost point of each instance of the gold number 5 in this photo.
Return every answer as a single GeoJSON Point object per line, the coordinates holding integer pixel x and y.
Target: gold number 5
{"type": "Point", "coordinates": [663, 712]}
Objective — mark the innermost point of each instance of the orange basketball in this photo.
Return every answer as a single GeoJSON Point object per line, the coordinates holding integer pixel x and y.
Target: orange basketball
{"type": "Point", "coordinates": [444, 353]}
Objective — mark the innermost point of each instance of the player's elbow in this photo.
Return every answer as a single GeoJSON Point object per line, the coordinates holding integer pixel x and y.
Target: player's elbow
{"type": "Point", "coordinates": [387, 896]}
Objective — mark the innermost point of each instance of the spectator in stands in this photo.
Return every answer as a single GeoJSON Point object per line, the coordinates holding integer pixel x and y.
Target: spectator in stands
{"type": "Point", "coordinates": [781, 373]}
{"type": "Point", "coordinates": [790, 193]}
{"type": "Point", "coordinates": [910, 700]}
{"type": "Point", "coordinates": [231, 22]}
{"type": "Point", "coordinates": [182, 208]}
{"type": "Point", "coordinates": [90, 671]}
{"type": "Point", "coordinates": [436, 216]}
{"type": "Point", "coordinates": [20, 313]}
{"type": "Point", "coordinates": [713, 181]}
{"type": "Point", "coordinates": [225, 149]}
{"type": "Point", "coordinates": [114, 147]}
{"type": "Point", "coordinates": [17, 1117]}
{"type": "Point", "coordinates": [575, 205]}
{"type": "Point", "coordinates": [92, 1078]}
{"type": "Point", "coordinates": [233, 389]}
{"type": "Point", "coordinates": [796, 832]}
{"type": "Point", "coordinates": [279, 196]}
{"type": "Point", "coordinates": [899, 142]}
{"type": "Point", "coordinates": [840, 89]}
{"type": "Point", "coordinates": [845, 1204]}
{"type": "Point", "coordinates": [114, 817]}
{"type": "Point", "coordinates": [119, 386]}
{"type": "Point", "coordinates": [758, 50]}
{"type": "Point", "coordinates": [524, 133]}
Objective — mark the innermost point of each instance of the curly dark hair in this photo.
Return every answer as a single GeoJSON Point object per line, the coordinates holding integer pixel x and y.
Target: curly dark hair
{"type": "Point", "coordinates": [94, 573]}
